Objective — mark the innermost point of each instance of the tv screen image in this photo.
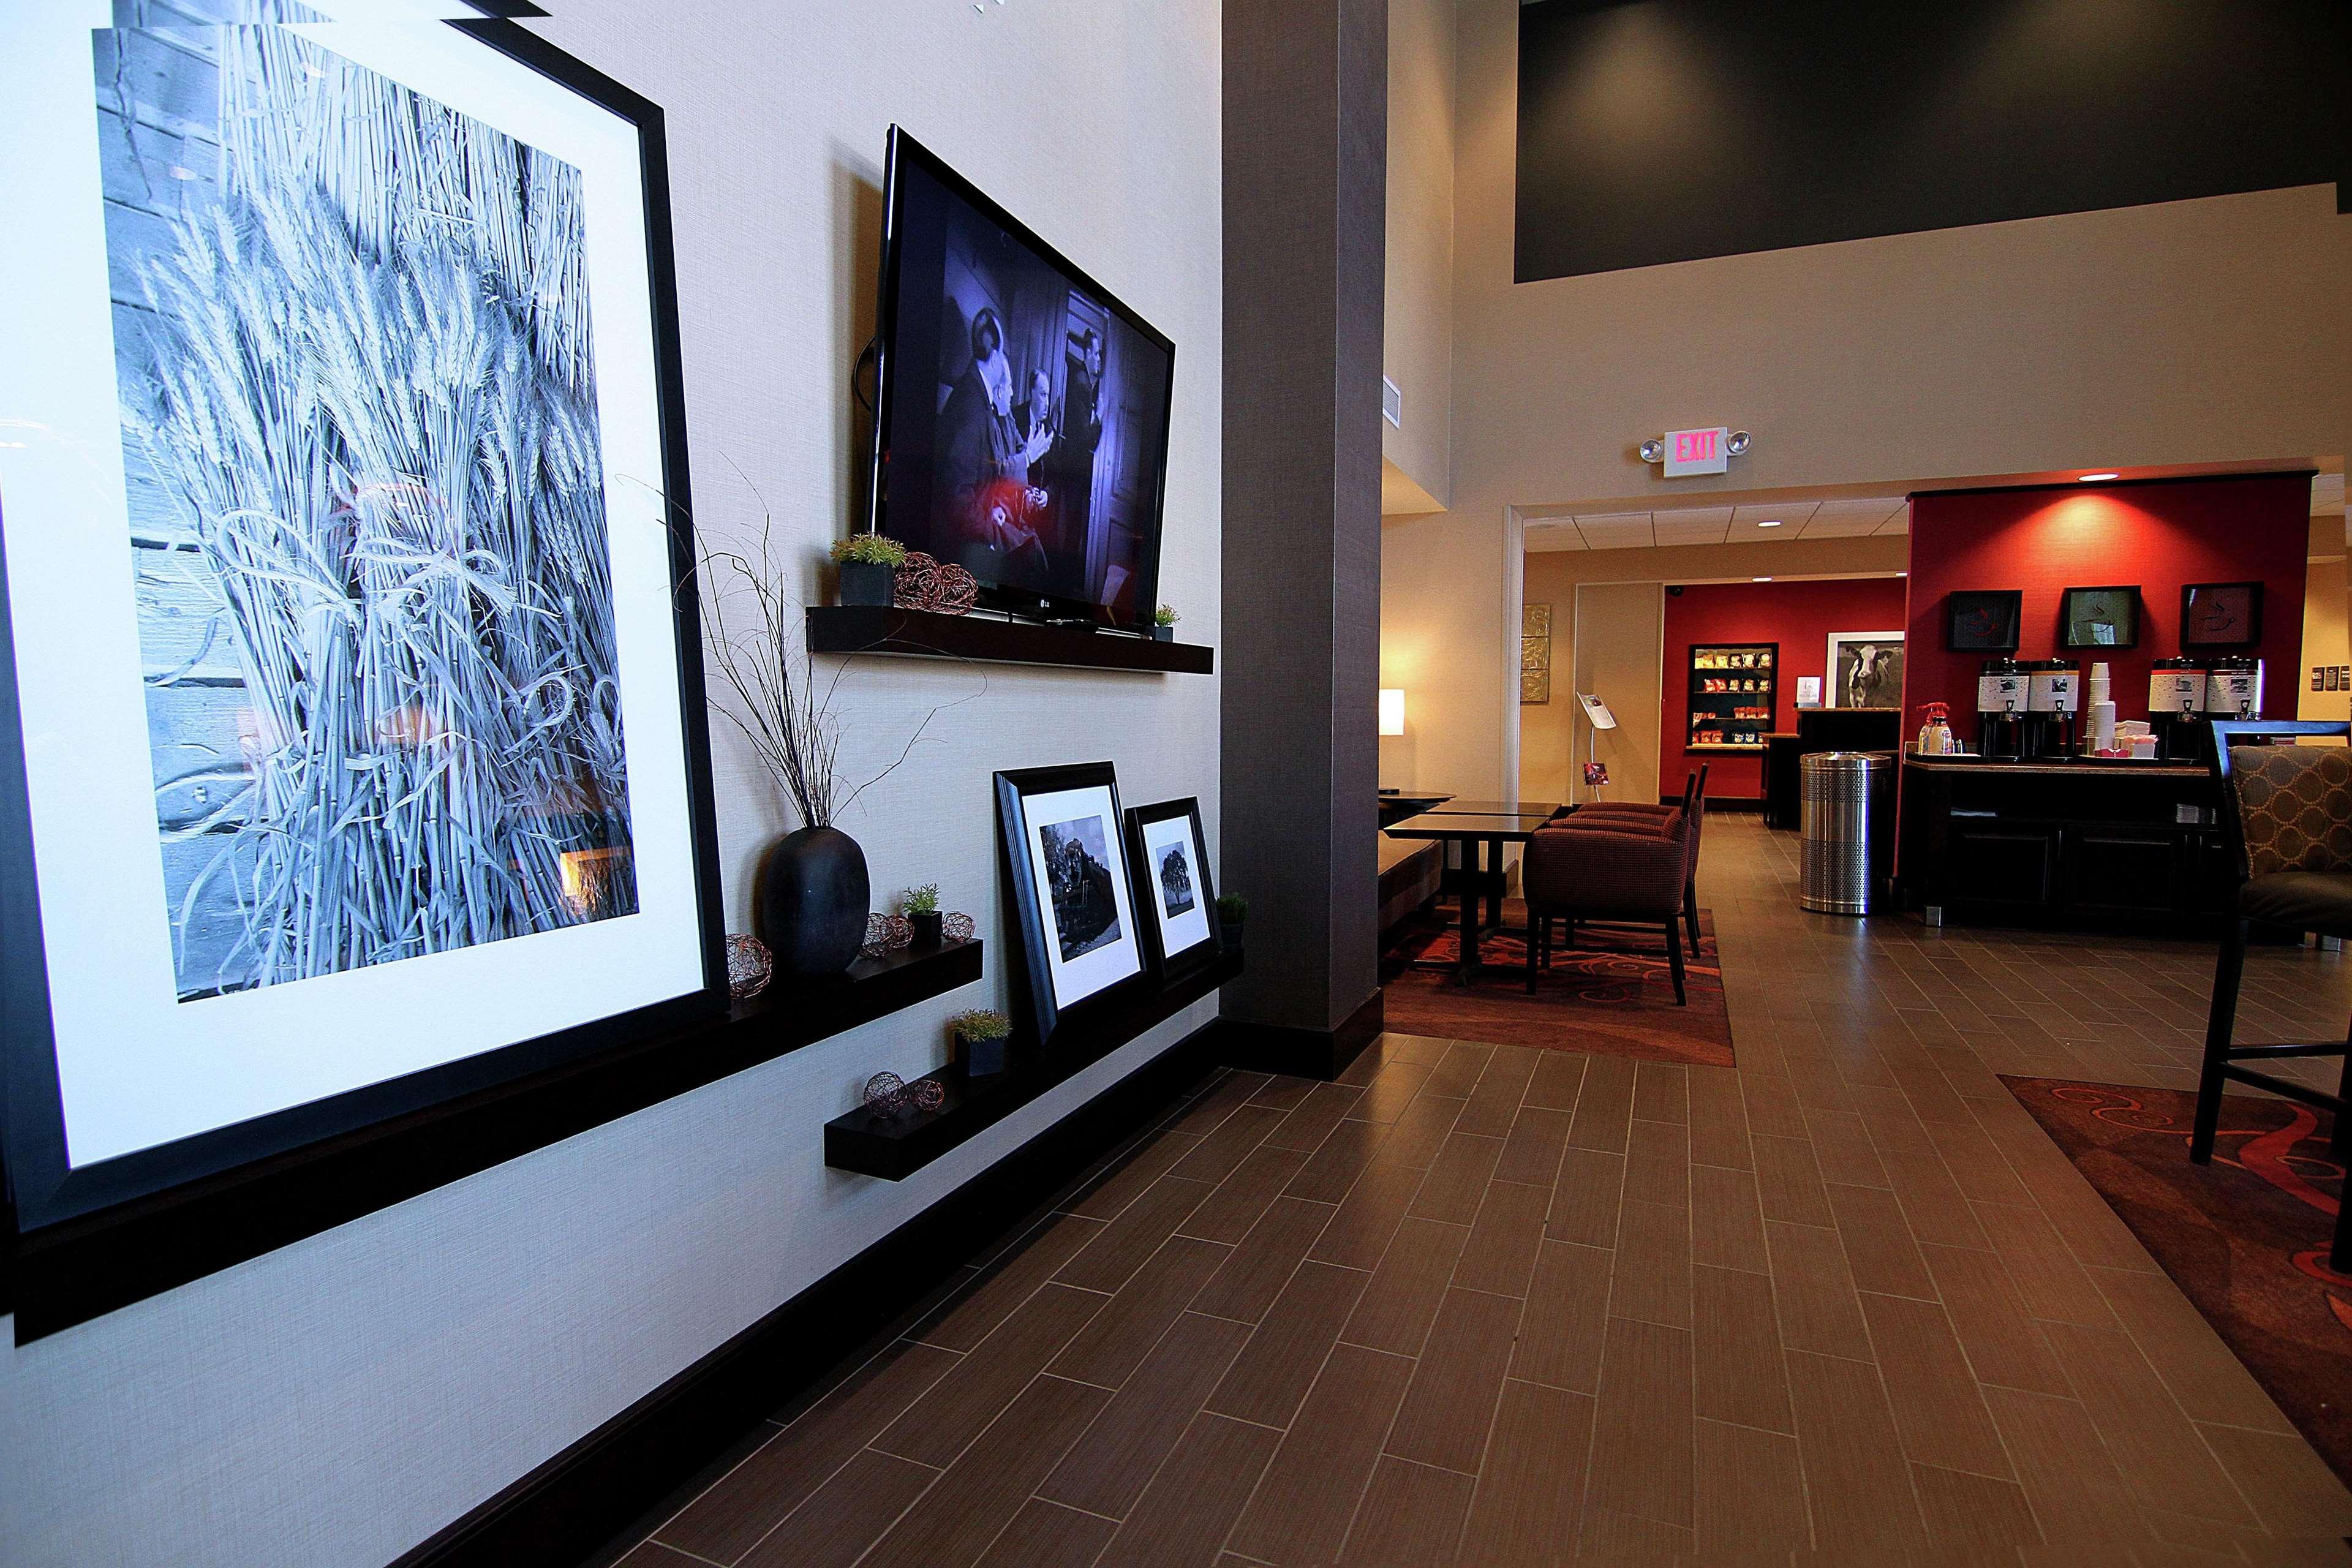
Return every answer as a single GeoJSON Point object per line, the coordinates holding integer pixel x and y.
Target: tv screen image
{"type": "Point", "coordinates": [1022, 423]}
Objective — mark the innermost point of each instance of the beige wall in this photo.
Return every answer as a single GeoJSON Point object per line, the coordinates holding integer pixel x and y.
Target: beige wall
{"type": "Point", "coordinates": [2205, 332]}
{"type": "Point", "coordinates": [1601, 635]}
{"type": "Point", "coordinates": [2323, 643]}
{"type": "Point", "coordinates": [1419, 316]}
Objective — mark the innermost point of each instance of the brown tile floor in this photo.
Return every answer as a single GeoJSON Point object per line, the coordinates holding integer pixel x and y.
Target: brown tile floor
{"type": "Point", "coordinates": [1844, 1303]}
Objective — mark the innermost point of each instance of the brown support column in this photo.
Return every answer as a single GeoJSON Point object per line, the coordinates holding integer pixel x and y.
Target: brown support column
{"type": "Point", "coordinates": [1306, 133]}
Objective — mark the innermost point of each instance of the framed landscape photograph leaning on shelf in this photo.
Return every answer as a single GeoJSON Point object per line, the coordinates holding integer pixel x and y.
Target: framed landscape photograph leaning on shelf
{"type": "Point", "coordinates": [1173, 886]}
{"type": "Point", "coordinates": [1066, 860]}
{"type": "Point", "coordinates": [352, 712]}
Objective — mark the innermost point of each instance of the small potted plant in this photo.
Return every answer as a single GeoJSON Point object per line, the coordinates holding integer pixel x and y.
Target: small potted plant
{"type": "Point", "coordinates": [869, 568]}
{"type": "Point", "coordinates": [1163, 622]}
{"type": "Point", "coordinates": [1233, 910]}
{"type": "Point", "coordinates": [921, 907]}
{"type": "Point", "coordinates": [980, 1037]}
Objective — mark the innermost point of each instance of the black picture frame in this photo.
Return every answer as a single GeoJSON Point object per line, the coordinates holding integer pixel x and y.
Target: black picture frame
{"type": "Point", "coordinates": [2239, 605]}
{"type": "Point", "coordinates": [1984, 620]}
{"type": "Point", "coordinates": [1183, 961]}
{"type": "Point", "coordinates": [1048, 1010]}
{"type": "Point", "coordinates": [496, 1103]}
{"type": "Point", "coordinates": [2069, 614]}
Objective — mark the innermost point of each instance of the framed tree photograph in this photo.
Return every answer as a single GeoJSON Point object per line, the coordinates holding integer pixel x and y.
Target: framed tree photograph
{"type": "Point", "coordinates": [2099, 617]}
{"type": "Point", "coordinates": [1072, 895]}
{"type": "Point", "coordinates": [2220, 615]}
{"type": "Point", "coordinates": [1984, 620]}
{"type": "Point", "coordinates": [1173, 886]}
{"type": "Point", "coordinates": [351, 711]}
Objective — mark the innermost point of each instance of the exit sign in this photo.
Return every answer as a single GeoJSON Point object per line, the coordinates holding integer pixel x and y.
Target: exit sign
{"type": "Point", "coordinates": [1696, 452]}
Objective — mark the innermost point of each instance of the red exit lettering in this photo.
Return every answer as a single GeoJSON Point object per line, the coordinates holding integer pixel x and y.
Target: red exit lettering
{"type": "Point", "coordinates": [1694, 445]}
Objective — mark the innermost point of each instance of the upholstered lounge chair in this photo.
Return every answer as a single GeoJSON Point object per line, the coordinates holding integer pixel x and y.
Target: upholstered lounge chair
{"type": "Point", "coordinates": [1601, 875]}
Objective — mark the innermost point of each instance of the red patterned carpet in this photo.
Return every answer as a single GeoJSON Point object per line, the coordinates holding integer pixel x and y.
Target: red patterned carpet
{"type": "Point", "coordinates": [2245, 1238]}
{"type": "Point", "coordinates": [1612, 995]}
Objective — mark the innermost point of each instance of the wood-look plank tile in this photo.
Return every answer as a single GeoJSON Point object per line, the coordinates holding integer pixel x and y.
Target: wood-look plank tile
{"type": "Point", "coordinates": [1532, 1151]}
{"type": "Point", "coordinates": [1312, 1120]}
{"type": "Point", "coordinates": [1456, 1184]}
{"type": "Point", "coordinates": [1501, 1251]}
{"type": "Point", "coordinates": [1220, 1153]}
{"type": "Point", "coordinates": [1121, 1185]}
{"type": "Point", "coordinates": [1107, 1470]}
{"type": "Point", "coordinates": [1189, 1509]}
{"type": "Point", "coordinates": [1586, 1196]}
{"type": "Point", "coordinates": [1789, 1183]}
{"type": "Point", "coordinates": [2160, 1453]}
{"type": "Point", "coordinates": [1642, 1425]}
{"type": "Point", "coordinates": [2210, 1383]}
{"type": "Point", "coordinates": [1113, 1254]}
{"type": "Point", "coordinates": [1558, 1078]}
{"type": "Point", "coordinates": [1458, 1070]}
{"type": "Point", "coordinates": [1751, 1495]}
{"type": "Point", "coordinates": [2290, 1487]}
{"type": "Point", "coordinates": [2003, 1345]}
{"type": "Point", "coordinates": [1735, 1349]}
{"type": "Point", "coordinates": [1450, 1403]}
{"type": "Point", "coordinates": [1420, 1048]}
{"type": "Point", "coordinates": [1727, 1220]}
{"type": "Point", "coordinates": [1242, 1199]}
{"type": "Point", "coordinates": [1661, 1092]}
{"type": "Point", "coordinates": [1531, 1488]}
{"type": "Point", "coordinates": [1257, 1270]}
{"type": "Point", "coordinates": [935, 1428]}
{"type": "Point", "coordinates": [1302, 1507]}
{"type": "Point", "coordinates": [1878, 1243]}
{"type": "Point", "coordinates": [1106, 1351]}
{"type": "Point", "coordinates": [1604, 1106]}
{"type": "Point", "coordinates": [1718, 1119]}
{"type": "Point", "coordinates": [1221, 1098]}
{"type": "Point", "coordinates": [1611, 1535]}
{"type": "Point", "coordinates": [2070, 1477]}
{"type": "Point", "coordinates": [1857, 1480]}
{"type": "Point", "coordinates": [839, 1522]}
{"type": "Point", "coordinates": [1271, 1377]}
{"type": "Point", "coordinates": [1359, 1234]}
{"type": "Point", "coordinates": [1653, 1266]}
{"type": "Point", "coordinates": [1771, 1104]}
{"type": "Point", "coordinates": [1494, 1104]}
{"type": "Point", "coordinates": [1931, 1200]}
{"type": "Point", "coordinates": [1657, 1162]}
{"type": "Point", "coordinates": [962, 1323]}
{"type": "Point", "coordinates": [1283, 1092]}
{"type": "Point", "coordinates": [1978, 1166]}
{"type": "Point", "coordinates": [1814, 1292]}
{"type": "Point", "coordinates": [1411, 1513]}
{"type": "Point", "coordinates": [646, 1554]}
{"type": "Point", "coordinates": [1387, 1095]}
{"type": "Point", "coordinates": [1973, 1514]}
{"type": "Point", "coordinates": [1402, 1300]}
{"type": "Point", "coordinates": [745, 1504]}
{"type": "Point", "coordinates": [1333, 1168]}
{"type": "Point", "coordinates": [1937, 1407]}
{"type": "Point", "coordinates": [1843, 1148]}
{"type": "Point", "coordinates": [1421, 1130]}
{"type": "Point", "coordinates": [1047, 1535]}
{"type": "Point", "coordinates": [966, 1509]}
{"type": "Point", "coordinates": [2049, 1280]}
{"type": "Point", "coordinates": [1567, 1317]}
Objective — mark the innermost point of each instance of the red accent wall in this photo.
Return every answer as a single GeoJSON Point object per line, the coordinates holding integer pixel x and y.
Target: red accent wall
{"type": "Point", "coordinates": [1798, 615]}
{"type": "Point", "coordinates": [2161, 536]}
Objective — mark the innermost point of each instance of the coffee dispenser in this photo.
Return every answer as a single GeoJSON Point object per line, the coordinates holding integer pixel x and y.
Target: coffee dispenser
{"type": "Point", "coordinates": [2176, 706]}
{"type": "Point", "coordinates": [2054, 699]}
{"type": "Point", "coordinates": [2004, 689]}
{"type": "Point", "coordinates": [2233, 688]}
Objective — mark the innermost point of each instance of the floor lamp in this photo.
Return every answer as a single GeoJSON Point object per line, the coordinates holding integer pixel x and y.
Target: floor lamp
{"type": "Point", "coordinates": [1597, 714]}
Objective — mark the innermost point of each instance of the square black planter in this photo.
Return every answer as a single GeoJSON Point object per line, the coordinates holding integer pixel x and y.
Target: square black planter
{"type": "Point", "coordinates": [979, 1058]}
{"type": "Point", "coordinates": [1163, 634]}
{"type": "Point", "coordinates": [868, 582]}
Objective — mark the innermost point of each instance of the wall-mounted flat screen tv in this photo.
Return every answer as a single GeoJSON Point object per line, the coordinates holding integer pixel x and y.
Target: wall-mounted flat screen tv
{"type": "Point", "coordinates": [1021, 415]}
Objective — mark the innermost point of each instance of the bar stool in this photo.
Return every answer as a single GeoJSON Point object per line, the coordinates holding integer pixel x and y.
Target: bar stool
{"type": "Point", "coordinates": [2287, 816]}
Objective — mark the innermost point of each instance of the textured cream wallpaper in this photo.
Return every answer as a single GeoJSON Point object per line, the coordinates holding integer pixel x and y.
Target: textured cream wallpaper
{"type": "Point", "coordinates": [335, 1402]}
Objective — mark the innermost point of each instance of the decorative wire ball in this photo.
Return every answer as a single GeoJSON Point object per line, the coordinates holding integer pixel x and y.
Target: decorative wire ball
{"type": "Point", "coordinates": [928, 1093]}
{"type": "Point", "coordinates": [886, 1091]}
{"type": "Point", "coordinates": [749, 966]}
{"type": "Point", "coordinates": [923, 582]}
{"type": "Point", "coordinates": [886, 933]}
{"type": "Point", "coordinates": [957, 927]}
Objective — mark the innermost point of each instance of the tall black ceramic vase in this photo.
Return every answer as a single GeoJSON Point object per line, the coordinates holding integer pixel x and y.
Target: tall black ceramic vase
{"type": "Point", "coordinates": [814, 898]}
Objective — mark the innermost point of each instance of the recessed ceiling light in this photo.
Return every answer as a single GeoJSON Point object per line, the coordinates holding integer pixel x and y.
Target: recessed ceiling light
{"type": "Point", "coordinates": [1774, 523]}
{"type": "Point", "coordinates": [1759, 579]}
{"type": "Point", "coordinates": [2099, 478]}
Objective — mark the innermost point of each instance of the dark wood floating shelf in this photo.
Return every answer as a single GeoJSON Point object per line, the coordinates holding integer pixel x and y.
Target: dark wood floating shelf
{"type": "Point", "coordinates": [71, 1272]}
{"type": "Point", "coordinates": [921, 634]}
{"type": "Point", "coordinates": [894, 1146]}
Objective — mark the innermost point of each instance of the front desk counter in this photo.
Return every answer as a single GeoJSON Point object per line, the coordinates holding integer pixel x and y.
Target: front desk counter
{"type": "Point", "coordinates": [2091, 844]}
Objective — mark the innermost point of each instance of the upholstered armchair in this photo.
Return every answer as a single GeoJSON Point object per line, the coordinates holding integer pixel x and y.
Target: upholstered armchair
{"type": "Point", "coordinates": [1634, 817]}
{"type": "Point", "coordinates": [2286, 820]}
{"type": "Point", "coordinates": [1598, 874]}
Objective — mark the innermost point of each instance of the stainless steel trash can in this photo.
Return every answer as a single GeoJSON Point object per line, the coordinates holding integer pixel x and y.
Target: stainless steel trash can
{"type": "Point", "coordinates": [1849, 829]}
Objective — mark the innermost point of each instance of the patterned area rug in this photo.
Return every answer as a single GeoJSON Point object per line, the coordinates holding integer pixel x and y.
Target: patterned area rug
{"type": "Point", "coordinates": [2245, 1238]}
{"type": "Point", "coordinates": [1612, 995]}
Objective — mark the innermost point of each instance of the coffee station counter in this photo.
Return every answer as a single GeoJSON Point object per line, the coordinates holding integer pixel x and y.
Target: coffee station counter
{"type": "Point", "coordinates": [2070, 843]}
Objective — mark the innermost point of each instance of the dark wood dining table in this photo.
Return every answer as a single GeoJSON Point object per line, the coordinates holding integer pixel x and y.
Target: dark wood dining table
{"type": "Point", "coordinates": [1482, 836]}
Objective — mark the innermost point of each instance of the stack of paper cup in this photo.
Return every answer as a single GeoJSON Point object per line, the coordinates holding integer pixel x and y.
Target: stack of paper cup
{"type": "Point", "coordinates": [2101, 708]}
